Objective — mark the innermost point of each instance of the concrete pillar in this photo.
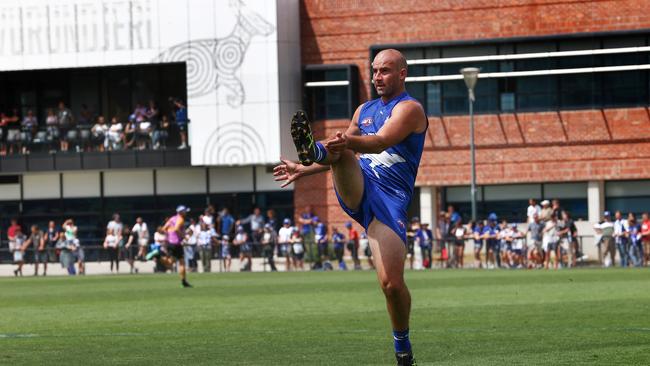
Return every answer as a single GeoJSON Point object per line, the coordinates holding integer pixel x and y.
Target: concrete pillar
{"type": "Point", "coordinates": [595, 200]}
{"type": "Point", "coordinates": [428, 197]}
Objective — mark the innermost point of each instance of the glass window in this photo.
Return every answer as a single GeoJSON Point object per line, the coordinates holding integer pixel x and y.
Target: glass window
{"type": "Point", "coordinates": [627, 188]}
{"type": "Point", "coordinates": [331, 102]}
{"type": "Point", "coordinates": [536, 93]}
{"type": "Point", "coordinates": [433, 97]}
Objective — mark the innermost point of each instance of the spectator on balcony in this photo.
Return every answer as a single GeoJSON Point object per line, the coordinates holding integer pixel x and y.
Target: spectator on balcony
{"type": "Point", "coordinates": [98, 133]}
{"type": "Point", "coordinates": [143, 134]}
{"type": "Point", "coordinates": [53, 130]}
{"type": "Point", "coordinates": [152, 113]}
{"type": "Point", "coordinates": [66, 125]}
{"type": "Point", "coordinates": [13, 130]}
{"type": "Point", "coordinates": [85, 116]}
{"type": "Point", "coordinates": [114, 136]}
{"type": "Point", "coordinates": [160, 133]}
{"type": "Point", "coordinates": [3, 133]}
{"type": "Point", "coordinates": [29, 126]}
{"type": "Point", "coordinates": [180, 113]}
{"type": "Point", "coordinates": [130, 130]}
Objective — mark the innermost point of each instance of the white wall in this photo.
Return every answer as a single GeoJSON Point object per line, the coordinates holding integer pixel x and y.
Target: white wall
{"type": "Point", "coordinates": [41, 186]}
{"type": "Point", "coordinates": [242, 60]}
{"type": "Point", "coordinates": [81, 184]}
{"type": "Point", "coordinates": [128, 183]}
{"type": "Point", "coordinates": [234, 179]}
{"type": "Point", "coordinates": [180, 181]}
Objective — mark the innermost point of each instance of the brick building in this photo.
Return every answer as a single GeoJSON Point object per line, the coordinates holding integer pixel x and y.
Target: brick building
{"type": "Point", "coordinates": [565, 116]}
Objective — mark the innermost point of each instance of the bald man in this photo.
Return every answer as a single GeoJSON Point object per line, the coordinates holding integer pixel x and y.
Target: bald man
{"type": "Point", "coordinates": [375, 190]}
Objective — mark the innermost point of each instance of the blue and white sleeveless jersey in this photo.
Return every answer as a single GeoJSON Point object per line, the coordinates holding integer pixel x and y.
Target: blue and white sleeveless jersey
{"type": "Point", "coordinates": [394, 169]}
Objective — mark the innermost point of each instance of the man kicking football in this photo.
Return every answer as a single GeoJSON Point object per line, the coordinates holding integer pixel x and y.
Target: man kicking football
{"type": "Point", "coordinates": [376, 189]}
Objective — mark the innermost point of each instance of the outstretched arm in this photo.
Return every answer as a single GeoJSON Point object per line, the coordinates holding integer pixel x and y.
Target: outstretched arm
{"type": "Point", "coordinates": [289, 171]}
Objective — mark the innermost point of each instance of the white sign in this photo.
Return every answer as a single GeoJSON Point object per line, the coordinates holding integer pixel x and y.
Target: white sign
{"type": "Point", "coordinates": [242, 60]}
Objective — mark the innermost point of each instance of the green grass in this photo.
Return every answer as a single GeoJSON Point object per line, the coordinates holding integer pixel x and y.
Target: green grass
{"type": "Point", "coordinates": [459, 317]}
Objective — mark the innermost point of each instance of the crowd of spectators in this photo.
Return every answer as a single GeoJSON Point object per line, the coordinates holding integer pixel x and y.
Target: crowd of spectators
{"type": "Point", "coordinates": [548, 239]}
{"type": "Point", "coordinates": [146, 127]}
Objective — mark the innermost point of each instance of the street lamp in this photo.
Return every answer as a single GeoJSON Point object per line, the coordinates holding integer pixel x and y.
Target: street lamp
{"type": "Point", "coordinates": [470, 75]}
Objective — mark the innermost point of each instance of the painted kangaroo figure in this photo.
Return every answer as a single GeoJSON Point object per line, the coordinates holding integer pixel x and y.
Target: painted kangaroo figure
{"type": "Point", "coordinates": [212, 63]}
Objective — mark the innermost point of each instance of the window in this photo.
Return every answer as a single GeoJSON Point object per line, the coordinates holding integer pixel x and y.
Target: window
{"type": "Point", "coordinates": [331, 91]}
{"type": "Point", "coordinates": [588, 84]}
{"type": "Point", "coordinates": [628, 196]}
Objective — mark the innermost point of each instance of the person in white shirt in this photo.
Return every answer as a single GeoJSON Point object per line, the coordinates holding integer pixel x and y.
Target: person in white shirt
{"type": "Point", "coordinates": [206, 239]}
{"type": "Point", "coordinates": [533, 209]}
{"type": "Point", "coordinates": [516, 239]}
{"type": "Point", "coordinates": [111, 245]}
{"type": "Point", "coordinates": [550, 240]}
{"type": "Point", "coordinates": [605, 230]}
{"type": "Point", "coordinates": [245, 249]}
{"type": "Point", "coordinates": [141, 232]}
{"type": "Point", "coordinates": [621, 227]}
{"type": "Point", "coordinates": [191, 239]}
{"type": "Point", "coordinates": [225, 252]}
{"type": "Point", "coordinates": [114, 136]}
{"type": "Point", "coordinates": [284, 242]}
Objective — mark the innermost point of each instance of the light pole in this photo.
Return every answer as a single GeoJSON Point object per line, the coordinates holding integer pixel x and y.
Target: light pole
{"type": "Point", "coordinates": [470, 75]}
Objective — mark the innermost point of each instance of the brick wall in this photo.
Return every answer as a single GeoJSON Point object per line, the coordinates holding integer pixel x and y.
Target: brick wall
{"type": "Point", "coordinates": [512, 148]}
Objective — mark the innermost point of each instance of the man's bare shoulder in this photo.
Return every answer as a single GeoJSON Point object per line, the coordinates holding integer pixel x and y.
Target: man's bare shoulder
{"type": "Point", "coordinates": [412, 111]}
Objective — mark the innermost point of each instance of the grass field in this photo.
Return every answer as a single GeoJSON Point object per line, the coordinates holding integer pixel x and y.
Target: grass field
{"type": "Point", "coordinates": [338, 318]}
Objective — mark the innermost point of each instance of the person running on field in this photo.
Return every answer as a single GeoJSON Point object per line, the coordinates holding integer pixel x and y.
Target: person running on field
{"type": "Point", "coordinates": [174, 229]}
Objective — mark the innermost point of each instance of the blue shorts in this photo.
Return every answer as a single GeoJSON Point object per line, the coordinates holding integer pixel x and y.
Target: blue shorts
{"type": "Point", "coordinates": [389, 209]}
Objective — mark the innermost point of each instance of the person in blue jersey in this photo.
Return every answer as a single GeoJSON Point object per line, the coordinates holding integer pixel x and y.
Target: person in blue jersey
{"type": "Point", "coordinates": [338, 241]}
{"type": "Point", "coordinates": [424, 238]}
{"type": "Point", "coordinates": [477, 232]}
{"type": "Point", "coordinates": [320, 236]}
{"type": "Point", "coordinates": [491, 235]}
{"type": "Point", "coordinates": [375, 189]}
